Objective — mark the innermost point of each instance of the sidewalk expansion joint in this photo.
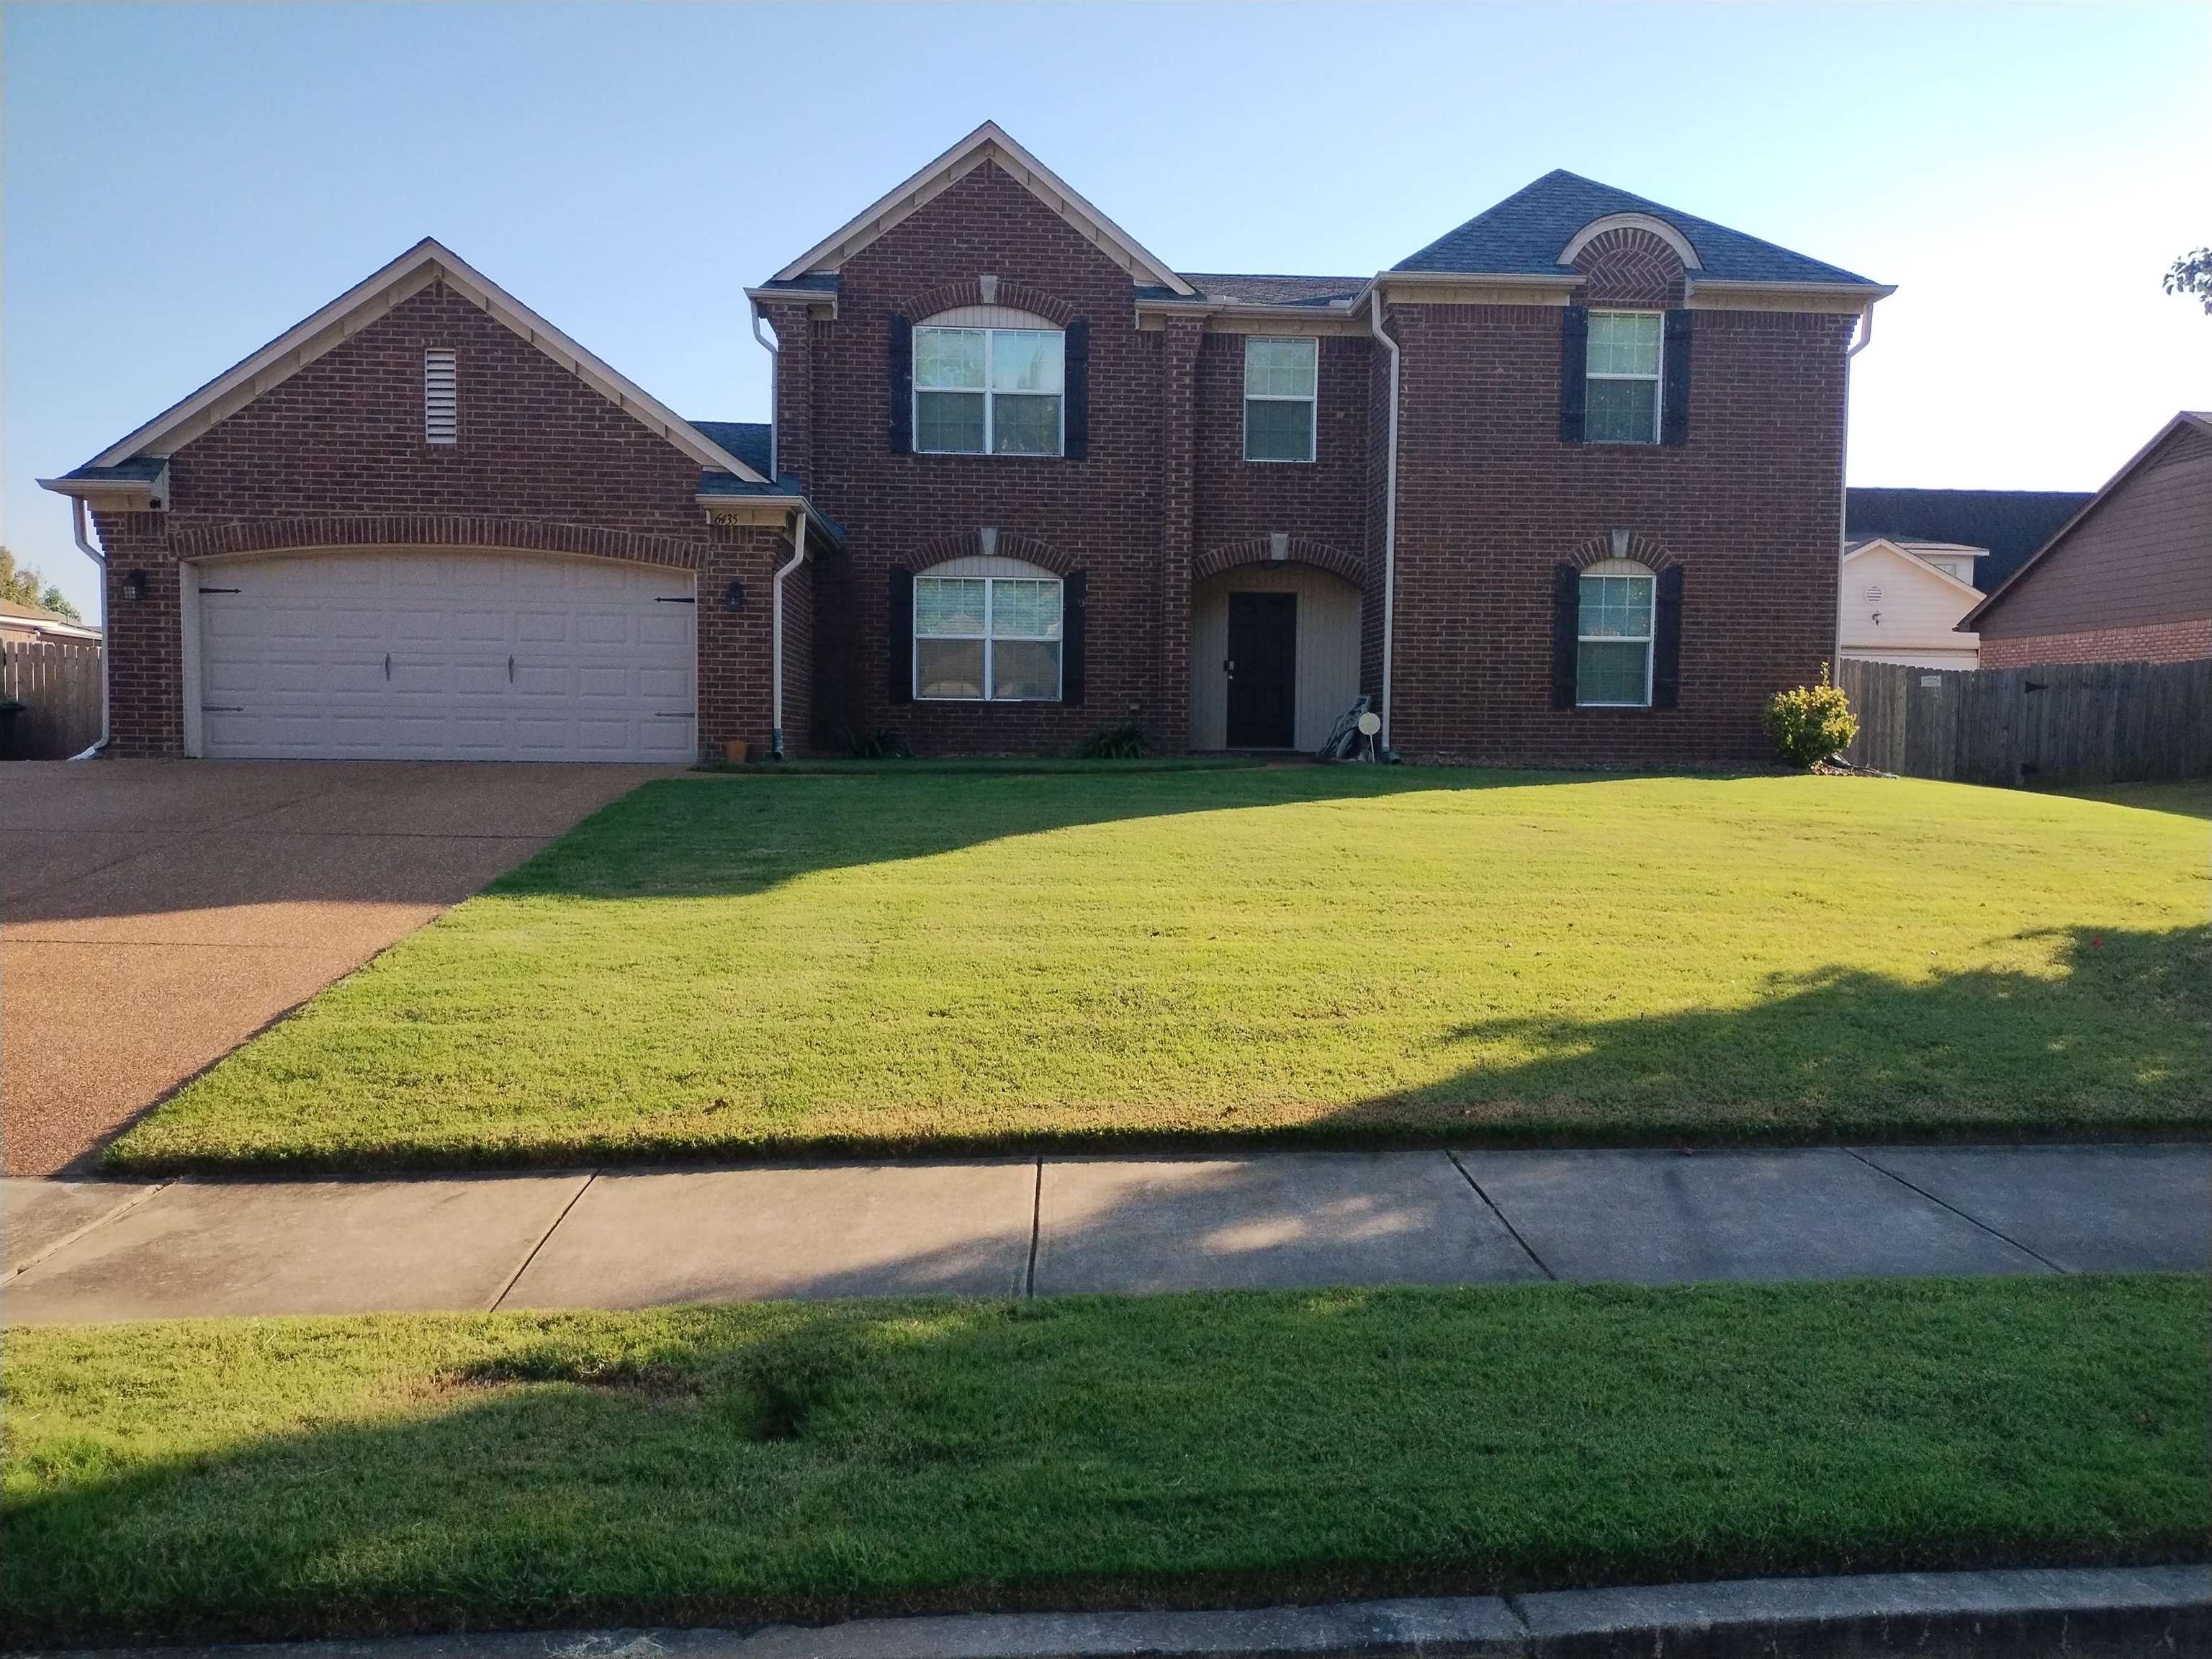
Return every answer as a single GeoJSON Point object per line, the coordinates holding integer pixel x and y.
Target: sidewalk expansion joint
{"type": "Point", "coordinates": [515, 1278]}
{"type": "Point", "coordinates": [1974, 1220]}
{"type": "Point", "coordinates": [1036, 1229]}
{"type": "Point", "coordinates": [93, 1225]}
{"type": "Point", "coordinates": [1542, 1266]}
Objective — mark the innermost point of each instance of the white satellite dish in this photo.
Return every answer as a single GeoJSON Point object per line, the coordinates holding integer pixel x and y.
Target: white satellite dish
{"type": "Point", "coordinates": [1370, 723]}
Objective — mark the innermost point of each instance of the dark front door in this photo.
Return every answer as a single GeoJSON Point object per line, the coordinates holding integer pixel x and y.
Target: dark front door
{"type": "Point", "coordinates": [1263, 669]}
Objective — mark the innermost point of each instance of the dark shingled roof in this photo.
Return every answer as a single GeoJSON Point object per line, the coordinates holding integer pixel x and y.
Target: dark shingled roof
{"type": "Point", "coordinates": [2011, 523]}
{"type": "Point", "coordinates": [746, 439]}
{"type": "Point", "coordinates": [1523, 236]}
{"type": "Point", "coordinates": [749, 441]}
{"type": "Point", "coordinates": [139, 469]}
{"type": "Point", "coordinates": [1269, 291]}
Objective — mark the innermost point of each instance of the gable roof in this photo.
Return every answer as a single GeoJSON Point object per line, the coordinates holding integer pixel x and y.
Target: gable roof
{"type": "Point", "coordinates": [2189, 420]}
{"type": "Point", "coordinates": [1526, 233]}
{"type": "Point", "coordinates": [1920, 566]}
{"type": "Point", "coordinates": [426, 262]}
{"type": "Point", "coordinates": [988, 143]}
{"type": "Point", "coordinates": [2010, 523]}
{"type": "Point", "coordinates": [1273, 290]}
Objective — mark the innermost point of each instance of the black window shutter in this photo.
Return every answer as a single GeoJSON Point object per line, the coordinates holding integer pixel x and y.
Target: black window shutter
{"type": "Point", "coordinates": [1574, 372]}
{"type": "Point", "coordinates": [1074, 590]}
{"type": "Point", "coordinates": [1667, 640]}
{"type": "Point", "coordinates": [1674, 407]}
{"type": "Point", "coordinates": [1077, 409]}
{"type": "Point", "coordinates": [902, 386]}
{"type": "Point", "coordinates": [1566, 624]}
{"type": "Point", "coordinates": [900, 632]}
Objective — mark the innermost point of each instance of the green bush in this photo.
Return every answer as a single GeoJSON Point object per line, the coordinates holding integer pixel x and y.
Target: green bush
{"type": "Point", "coordinates": [1811, 723]}
{"type": "Point", "coordinates": [885, 744]}
{"type": "Point", "coordinates": [1114, 740]}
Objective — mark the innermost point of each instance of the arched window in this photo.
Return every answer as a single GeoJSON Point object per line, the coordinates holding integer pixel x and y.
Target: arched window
{"type": "Point", "coordinates": [1612, 634]}
{"type": "Point", "coordinates": [987, 629]}
{"type": "Point", "coordinates": [988, 380]}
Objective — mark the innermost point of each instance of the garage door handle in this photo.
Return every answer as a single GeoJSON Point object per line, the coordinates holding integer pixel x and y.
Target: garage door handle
{"type": "Point", "coordinates": [387, 664]}
{"type": "Point", "coordinates": [510, 671]}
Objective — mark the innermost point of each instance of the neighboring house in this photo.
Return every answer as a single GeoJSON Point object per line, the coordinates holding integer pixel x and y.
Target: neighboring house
{"type": "Point", "coordinates": [2129, 578]}
{"type": "Point", "coordinates": [2007, 525]}
{"type": "Point", "coordinates": [1564, 486]}
{"type": "Point", "coordinates": [1901, 602]}
{"type": "Point", "coordinates": [19, 621]}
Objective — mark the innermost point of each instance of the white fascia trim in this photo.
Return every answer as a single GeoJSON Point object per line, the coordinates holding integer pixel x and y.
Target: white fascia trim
{"type": "Point", "coordinates": [812, 296]}
{"type": "Point", "coordinates": [1387, 280]}
{"type": "Point", "coordinates": [426, 262]}
{"type": "Point", "coordinates": [125, 493]}
{"type": "Point", "coordinates": [1919, 565]}
{"type": "Point", "coordinates": [1336, 308]}
{"type": "Point", "coordinates": [988, 143]}
{"type": "Point", "coordinates": [1659, 227]}
{"type": "Point", "coordinates": [1867, 292]}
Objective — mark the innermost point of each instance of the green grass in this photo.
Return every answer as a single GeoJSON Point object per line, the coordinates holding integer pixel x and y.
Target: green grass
{"type": "Point", "coordinates": [728, 967]}
{"type": "Point", "coordinates": [294, 1477]}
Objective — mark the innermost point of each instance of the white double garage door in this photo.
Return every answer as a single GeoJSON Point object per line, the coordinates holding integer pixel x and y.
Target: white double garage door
{"type": "Point", "coordinates": [439, 654]}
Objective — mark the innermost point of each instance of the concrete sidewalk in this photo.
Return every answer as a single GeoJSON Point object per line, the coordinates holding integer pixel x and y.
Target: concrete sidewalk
{"type": "Point", "coordinates": [626, 1238]}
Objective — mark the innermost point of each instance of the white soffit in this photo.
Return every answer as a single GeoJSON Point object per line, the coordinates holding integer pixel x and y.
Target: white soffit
{"type": "Point", "coordinates": [988, 143]}
{"type": "Point", "coordinates": [426, 263]}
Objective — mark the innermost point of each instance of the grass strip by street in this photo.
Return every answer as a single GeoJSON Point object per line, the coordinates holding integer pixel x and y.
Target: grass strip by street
{"type": "Point", "coordinates": [295, 1477]}
{"type": "Point", "coordinates": [721, 968]}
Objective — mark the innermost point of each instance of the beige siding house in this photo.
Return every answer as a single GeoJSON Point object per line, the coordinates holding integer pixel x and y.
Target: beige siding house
{"type": "Point", "coordinates": [1901, 602]}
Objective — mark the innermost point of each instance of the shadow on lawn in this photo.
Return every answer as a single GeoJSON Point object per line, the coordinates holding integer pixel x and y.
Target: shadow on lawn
{"type": "Point", "coordinates": [710, 838]}
{"type": "Point", "coordinates": [732, 1464]}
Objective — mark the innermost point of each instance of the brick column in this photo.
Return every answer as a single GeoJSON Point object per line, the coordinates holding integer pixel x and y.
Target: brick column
{"type": "Point", "coordinates": [1178, 505]}
{"type": "Point", "coordinates": [794, 390]}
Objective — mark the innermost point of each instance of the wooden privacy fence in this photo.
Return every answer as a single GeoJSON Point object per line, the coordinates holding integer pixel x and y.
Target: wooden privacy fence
{"type": "Point", "coordinates": [2077, 723]}
{"type": "Point", "coordinates": [60, 682]}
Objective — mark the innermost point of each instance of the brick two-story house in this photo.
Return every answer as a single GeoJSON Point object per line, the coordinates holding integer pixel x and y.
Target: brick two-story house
{"type": "Point", "coordinates": [1564, 486]}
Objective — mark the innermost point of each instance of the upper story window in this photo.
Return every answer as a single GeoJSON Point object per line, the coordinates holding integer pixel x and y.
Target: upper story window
{"type": "Point", "coordinates": [1280, 377]}
{"type": "Point", "coordinates": [1613, 634]}
{"type": "Point", "coordinates": [988, 630]}
{"type": "Point", "coordinates": [1624, 377]}
{"type": "Point", "coordinates": [981, 390]}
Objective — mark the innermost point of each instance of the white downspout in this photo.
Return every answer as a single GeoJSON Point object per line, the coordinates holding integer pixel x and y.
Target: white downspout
{"type": "Point", "coordinates": [79, 523]}
{"type": "Point", "coordinates": [1389, 516]}
{"type": "Point", "coordinates": [775, 357]}
{"type": "Point", "coordinates": [1843, 528]}
{"type": "Point", "coordinates": [776, 632]}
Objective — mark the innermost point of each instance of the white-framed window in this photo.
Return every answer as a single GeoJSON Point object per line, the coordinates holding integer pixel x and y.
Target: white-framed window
{"type": "Point", "coordinates": [441, 397]}
{"type": "Point", "coordinates": [1613, 632]}
{"type": "Point", "coordinates": [988, 391]}
{"type": "Point", "coordinates": [1622, 406]}
{"type": "Point", "coordinates": [1281, 377]}
{"type": "Point", "coordinates": [987, 630]}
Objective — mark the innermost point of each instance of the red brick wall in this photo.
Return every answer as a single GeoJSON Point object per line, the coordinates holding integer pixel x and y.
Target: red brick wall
{"type": "Point", "coordinates": [1490, 499]}
{"type": "Point", "coordinates": [2176, 642]}
{"type": "Point", "coordinates": [334, 455]}
{"type": "Point", "coordinates": [1323, 501]}
{"type": "Point", "coordinates": [1101, 514]}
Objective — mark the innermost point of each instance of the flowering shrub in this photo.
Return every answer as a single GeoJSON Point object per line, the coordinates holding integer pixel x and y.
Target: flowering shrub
{"type": "Point", "coordinates": [1811, 723]}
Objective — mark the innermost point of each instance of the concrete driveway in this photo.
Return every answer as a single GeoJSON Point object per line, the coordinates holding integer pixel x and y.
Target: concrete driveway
{"type": "Point", "coordinates": [154, 914]}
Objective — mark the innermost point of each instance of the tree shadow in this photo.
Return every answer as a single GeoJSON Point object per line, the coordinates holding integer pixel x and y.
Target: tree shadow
{"type": "Point", "coordinates": [727, 1465]}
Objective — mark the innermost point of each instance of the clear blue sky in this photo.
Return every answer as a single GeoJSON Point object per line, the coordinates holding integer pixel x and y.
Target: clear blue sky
{"type": "Point", "coordinates": [181, 184]}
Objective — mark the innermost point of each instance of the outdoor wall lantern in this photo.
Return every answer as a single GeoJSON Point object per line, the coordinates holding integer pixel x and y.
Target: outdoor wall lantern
{"type": "Point", "coordinates": [733, 597]}
{"type": "Point", "coordinates": [134, 586]}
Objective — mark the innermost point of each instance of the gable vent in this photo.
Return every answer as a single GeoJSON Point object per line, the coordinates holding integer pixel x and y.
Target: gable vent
{"type": "Point", "coordinates": [1874, 596]}
{"type": "Point", "coordinates": [441, 390]}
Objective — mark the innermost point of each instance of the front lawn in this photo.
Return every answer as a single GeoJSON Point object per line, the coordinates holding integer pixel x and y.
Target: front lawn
{"type": "Point", "coordinates": [297, 1476]}
{"type": "Point", "coordinates": [928, 960]}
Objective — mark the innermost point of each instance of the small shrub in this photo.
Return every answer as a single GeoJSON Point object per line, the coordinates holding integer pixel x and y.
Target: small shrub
{"type": "Point", "coordinates": [885, 744]}
{"type": "Point", "coordinates": [1114, 740]}
{"type": "Point", "coordinates": [1811, 723]}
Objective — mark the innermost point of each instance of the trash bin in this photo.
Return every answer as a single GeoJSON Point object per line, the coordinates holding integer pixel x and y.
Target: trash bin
{"type": "Point", "coordinates": [14, 730]}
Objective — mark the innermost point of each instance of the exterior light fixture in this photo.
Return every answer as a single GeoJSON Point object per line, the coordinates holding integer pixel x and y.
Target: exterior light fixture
{"type": "Point", "coordinates": [134, 586]}
{"type": "Point", "coordinates": [733, 597]}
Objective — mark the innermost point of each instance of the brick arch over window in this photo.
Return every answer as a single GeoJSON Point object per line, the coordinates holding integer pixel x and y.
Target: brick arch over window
{"type": "Point", "coordinates": [1628, 267]}
{"type": "Point", "coordinates": [1018, 296]}
{"type": "Point", "coordinates": [431, 530]}
{"type": "Point", "coordinates": [1009, 545]}
{"type": "Point", "coordinates": [1260, 549]}
{"type": "Point", "coordinates": [1646, 550]}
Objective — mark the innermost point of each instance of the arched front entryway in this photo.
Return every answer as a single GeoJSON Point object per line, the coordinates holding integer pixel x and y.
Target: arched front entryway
{"type": "Point", "coordinates": [1274, 656]}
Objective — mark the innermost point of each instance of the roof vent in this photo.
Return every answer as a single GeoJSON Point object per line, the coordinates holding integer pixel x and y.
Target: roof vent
{"type": "Point", "coordinates": [1874, 596]}
{"type": "Point", "coordinates": [441, 387]}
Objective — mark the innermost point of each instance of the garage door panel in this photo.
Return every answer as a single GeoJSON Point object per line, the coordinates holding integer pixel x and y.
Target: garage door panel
{"type": "Point", "coordinates": [294, 660]}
